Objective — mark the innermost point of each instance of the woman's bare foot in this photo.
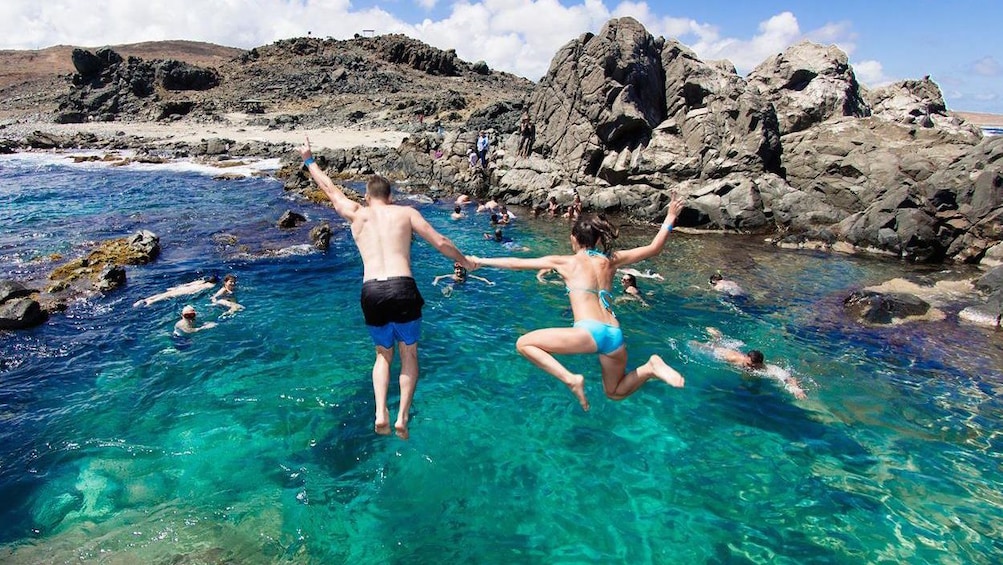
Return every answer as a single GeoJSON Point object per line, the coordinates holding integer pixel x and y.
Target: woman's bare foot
{"type": "Point", "coordinates": [577, 387]}
{"type": "Point", "coordinates": [383, 423]}
{"type": "Point", "coordinates": [665, 373]}
{"type": "Point", "coordinates": [401, 428]}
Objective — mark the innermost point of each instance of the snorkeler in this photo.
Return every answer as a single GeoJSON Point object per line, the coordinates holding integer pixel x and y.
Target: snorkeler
{"type": "Point", "coordinates": [588, 275]}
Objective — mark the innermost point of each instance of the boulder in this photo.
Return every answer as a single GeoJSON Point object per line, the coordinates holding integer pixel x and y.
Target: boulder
{"type": "Point", "coordinates": [290, 219]}
{"type": "Point", "coordinates": [603, 91]}
{"type": "Point", "coordinates": [144, 247]}
{"type": "Point", "coordinates": [176, 75]}
{"type": "Point", "coordinates": [21, 313]}
{"type": "Point", "coordinates": [808, 84]}
{"type": "Point", "coordinates": [110, 278]}
{"type": "Point", "coordinates": [10, 290]}
{"type": "Point", "coordinates": [86, 64]}
{"type": "Point", "coordinates": [991, 282]}
{"type": "Point", "coordinates": [877, 308]}
{"type": "Point", "coordinates": [320, 236]}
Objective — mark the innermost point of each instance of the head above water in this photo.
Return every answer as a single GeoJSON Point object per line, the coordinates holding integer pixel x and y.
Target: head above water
{"type": "Point", "coordinates": [378, 188]}
{"type": "Point", "coordinates": [715, 278]}
{"type": "Point", "coordinates": [756, 359]}
{"type": "Point", "coordinates": [628, 280]}
{"type": "Point", "coordinates": [188, 311]}
{"type": "Point", "coordinates": [459, 271]}
{"type": "Point", "coordinates": [594, 230]}
{"type": "Point", "coordinates": [230, 279]}
{"type": "Point", "coordinates": [498, 234]}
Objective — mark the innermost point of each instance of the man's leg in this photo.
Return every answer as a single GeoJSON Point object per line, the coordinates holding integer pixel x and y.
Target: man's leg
{"type": "Point", "coordinates": [408, 383]}
{"type": "Point", "coordinates": [381, 382]}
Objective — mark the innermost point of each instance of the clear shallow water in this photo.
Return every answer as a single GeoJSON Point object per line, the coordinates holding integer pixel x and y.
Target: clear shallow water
{"type": "Point", "coordinates": [254, 444]}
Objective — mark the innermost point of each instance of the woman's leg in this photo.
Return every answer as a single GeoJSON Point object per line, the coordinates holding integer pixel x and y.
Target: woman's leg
{"type": "Point", "coordinates": [618, 385]}
{"type": "Point", "coordinates": [539, 347]}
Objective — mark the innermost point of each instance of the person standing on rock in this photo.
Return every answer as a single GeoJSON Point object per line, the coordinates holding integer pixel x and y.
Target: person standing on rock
{"type": "Point", "coordinates": [527, 134]}
{"type": "Point", "coordinates": [483, 146]}
{"type": "Point", "coordinates": [391, 302]}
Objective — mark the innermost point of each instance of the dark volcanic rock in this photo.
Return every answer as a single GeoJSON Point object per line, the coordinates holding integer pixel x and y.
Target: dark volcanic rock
{"type": "Point", "coordinates": [21, 313]}
{"type": "Point", "coordinates": [884, 308]}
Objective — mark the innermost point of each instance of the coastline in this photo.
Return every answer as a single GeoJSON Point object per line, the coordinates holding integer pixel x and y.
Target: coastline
{"type": "Point", "coordinates": [237, 128]}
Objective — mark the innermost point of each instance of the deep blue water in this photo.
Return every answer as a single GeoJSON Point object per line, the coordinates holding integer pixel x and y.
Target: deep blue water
{"type": "Point", "coordinates": [254, 444]}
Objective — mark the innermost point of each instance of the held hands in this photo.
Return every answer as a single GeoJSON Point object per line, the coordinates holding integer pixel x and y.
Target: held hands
{"type": "Point", "coordinates": [473, 262]}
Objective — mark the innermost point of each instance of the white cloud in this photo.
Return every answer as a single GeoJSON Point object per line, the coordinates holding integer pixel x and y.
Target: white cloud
{"type": "Point", "coordinates": [987, 67]}
{"type": "Point", "coordinates": [775, 35]}
{"type": "Point", "coordinates": [519, 36]}
{"type": "Point", "coordinates": [871, 73]}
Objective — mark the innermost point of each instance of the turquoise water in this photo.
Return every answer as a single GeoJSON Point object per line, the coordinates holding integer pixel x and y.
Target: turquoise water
{"type": "Point", "coordinates": [254, 444]}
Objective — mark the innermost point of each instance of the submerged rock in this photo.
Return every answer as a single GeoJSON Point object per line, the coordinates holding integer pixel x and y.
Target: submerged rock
{"type": "Point", "coordinates": [884, 308]}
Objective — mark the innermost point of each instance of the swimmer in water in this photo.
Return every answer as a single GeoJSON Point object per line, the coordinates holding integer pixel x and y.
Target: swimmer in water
{"type": "Point", "coordinates": [753, 361]}
{"type": "Point", "coordinates": [227, 296]}
{"type": "Point", "coordinates": [186, 289]}
{"type": "Point", "coordinates": [186, 325]}
{"type": "Point", "coordinates": [460, 276]}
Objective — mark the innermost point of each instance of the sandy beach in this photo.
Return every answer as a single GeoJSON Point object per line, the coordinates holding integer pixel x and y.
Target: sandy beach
{"type": "Point", "coordinates": [236, 128]}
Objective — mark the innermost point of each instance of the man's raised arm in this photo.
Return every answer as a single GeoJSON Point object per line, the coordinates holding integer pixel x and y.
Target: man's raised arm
{"type": "Point", "coordinates": [345, 206]}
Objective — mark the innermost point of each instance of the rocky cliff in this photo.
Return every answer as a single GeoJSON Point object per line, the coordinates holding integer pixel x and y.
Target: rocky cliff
{"type": "Point", "coordinates": [798, 148]}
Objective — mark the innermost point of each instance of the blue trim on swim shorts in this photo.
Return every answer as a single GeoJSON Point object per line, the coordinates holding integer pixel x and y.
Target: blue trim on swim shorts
{"type": "Point", "coordinates": [394, 332]}
{"type": "Point", "coordinates": [608, 338]}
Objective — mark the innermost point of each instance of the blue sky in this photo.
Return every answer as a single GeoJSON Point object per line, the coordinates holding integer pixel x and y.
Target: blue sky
{"type": "Point", "coordinates": [958, 44]}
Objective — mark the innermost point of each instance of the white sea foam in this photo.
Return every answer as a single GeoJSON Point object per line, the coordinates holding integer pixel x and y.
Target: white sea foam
{"type": "Point", "coordinates": [250, 167]}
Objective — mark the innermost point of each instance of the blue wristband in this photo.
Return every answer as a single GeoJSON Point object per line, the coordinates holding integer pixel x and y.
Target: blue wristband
{"type": "Point", "coordinates": [308, 161]}
{"type": "Point", "coordinates": [667, 227]}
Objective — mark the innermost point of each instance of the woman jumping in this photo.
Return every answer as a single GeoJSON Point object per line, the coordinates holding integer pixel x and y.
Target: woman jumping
{"type": "Point", "coordinates": [588, 275]}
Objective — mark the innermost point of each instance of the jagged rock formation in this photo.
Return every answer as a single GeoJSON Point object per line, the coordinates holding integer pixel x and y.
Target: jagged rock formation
{"type": "Point", "coordinates": [107, 86]}
{"type": "Point", "coordinates": [799, 147]}
{"type": "Point", "coordinates": [808, 84]}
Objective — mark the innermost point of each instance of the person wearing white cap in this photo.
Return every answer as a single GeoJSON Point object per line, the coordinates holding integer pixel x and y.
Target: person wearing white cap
{"type": "Point", "coordinates": [186, 325]}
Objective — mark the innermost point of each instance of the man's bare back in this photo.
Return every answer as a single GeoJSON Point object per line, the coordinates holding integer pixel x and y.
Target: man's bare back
{"type": "Point", "coordinates": [383, 234]}
{"type": "Point", "coordinates": [391, 302]}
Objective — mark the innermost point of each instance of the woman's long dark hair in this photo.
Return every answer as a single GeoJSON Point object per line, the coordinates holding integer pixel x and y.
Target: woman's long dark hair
{"type": "Point", "coordinates": [592, 230]}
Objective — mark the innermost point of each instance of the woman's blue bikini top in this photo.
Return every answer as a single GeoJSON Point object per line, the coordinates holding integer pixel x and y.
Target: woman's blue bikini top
{"type": "Point", "coordinates": [604, 295]}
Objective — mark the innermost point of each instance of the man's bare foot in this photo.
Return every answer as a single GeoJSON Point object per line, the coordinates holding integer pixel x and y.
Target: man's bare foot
{"type": "Point", "coordinates": [664, 372]}
{"type": "Point", "coordinates": [578, 389]}
{"type": "Point", "coordinates": [401, 428]}
{"type": "Point", "coordinates": [383, 423]}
